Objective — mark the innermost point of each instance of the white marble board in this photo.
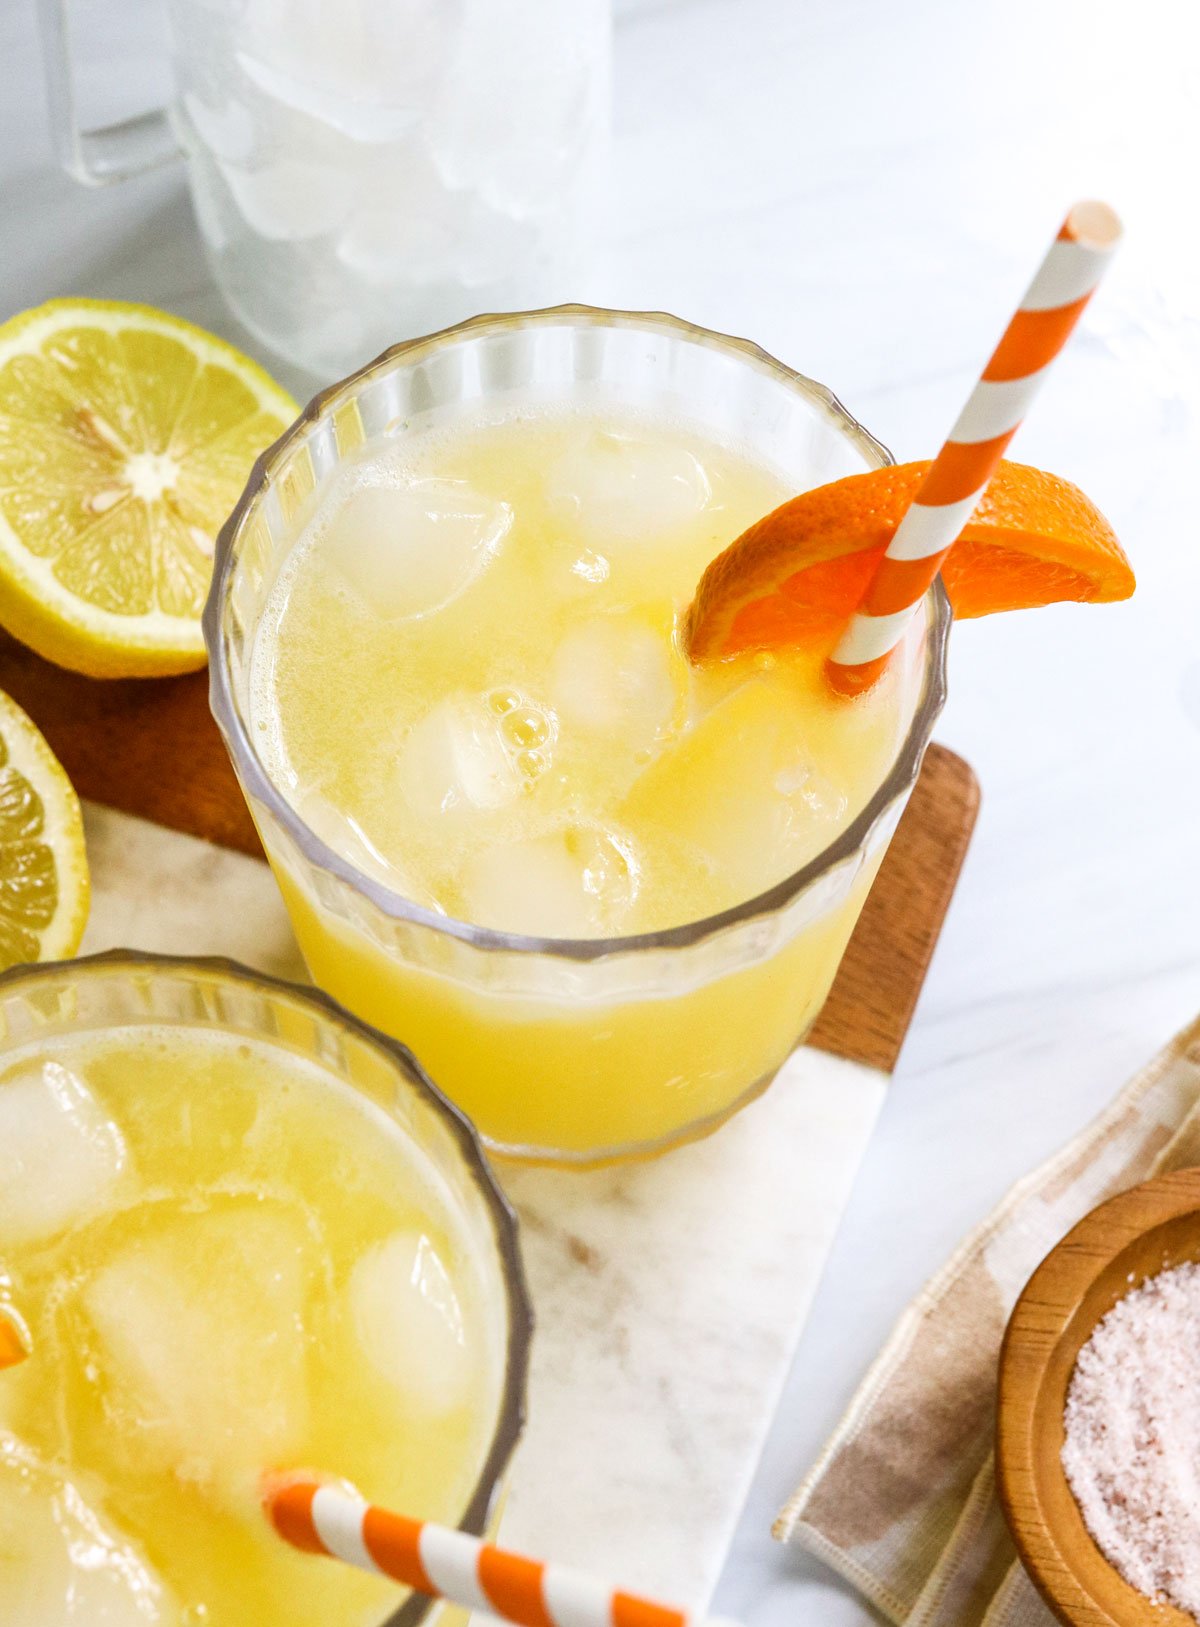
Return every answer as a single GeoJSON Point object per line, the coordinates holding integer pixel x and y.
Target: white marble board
{"type": "Point", "coordinates": [669, 1296]}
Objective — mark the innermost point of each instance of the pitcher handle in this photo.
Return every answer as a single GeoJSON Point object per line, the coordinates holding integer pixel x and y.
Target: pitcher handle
{"type": "Point", "coordinates": [113, 152]}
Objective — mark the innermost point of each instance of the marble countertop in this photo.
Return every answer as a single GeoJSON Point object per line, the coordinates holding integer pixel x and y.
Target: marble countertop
{"type": "Point", "coordinates": [863, 188]}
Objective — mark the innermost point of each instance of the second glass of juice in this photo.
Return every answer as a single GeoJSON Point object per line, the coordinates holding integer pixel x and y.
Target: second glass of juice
{"type": "Point", "coordinates": [239, 1234]}
{"type": "Point", "coordinates": [600, 890]}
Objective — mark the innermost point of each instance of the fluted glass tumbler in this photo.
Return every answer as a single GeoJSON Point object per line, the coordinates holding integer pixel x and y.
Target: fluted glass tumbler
{"type": "Point", "coordinates": [567, 1051]}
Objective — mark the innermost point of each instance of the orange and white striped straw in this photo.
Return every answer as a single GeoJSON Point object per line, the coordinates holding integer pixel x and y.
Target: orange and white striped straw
{"type": "Point", "coordinates": [323, 1519]}
{"type": "Point", "coordinates": [955, 481]}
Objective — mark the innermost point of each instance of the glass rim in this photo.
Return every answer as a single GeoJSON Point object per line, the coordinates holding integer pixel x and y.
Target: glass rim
{"type": "Point", "coordinates": [256, 781]}
{"type": "Point", "coordinates": [511, 1416]}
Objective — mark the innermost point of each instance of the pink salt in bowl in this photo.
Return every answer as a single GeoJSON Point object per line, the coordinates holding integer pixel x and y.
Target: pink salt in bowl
{"type": "Point", "coordinates": [1111, 1251]}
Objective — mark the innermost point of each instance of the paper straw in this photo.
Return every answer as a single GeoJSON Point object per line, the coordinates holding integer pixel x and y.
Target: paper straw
{"type": "Point", "coordinates": [324, 1519]}
{"type": "Point", "coordinates": [955, 481]}
{"type": "Point", "coordinates": [14, 1337]}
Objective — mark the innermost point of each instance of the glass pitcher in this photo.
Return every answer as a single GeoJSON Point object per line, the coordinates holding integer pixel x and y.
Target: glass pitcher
{"type": "Point", "coordinates": [366, 170]}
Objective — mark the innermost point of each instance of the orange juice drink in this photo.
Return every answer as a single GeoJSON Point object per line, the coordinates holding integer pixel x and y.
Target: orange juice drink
{"type": "Point", "coordinates": [599, 889]}
{"type": "Point", "coordinates": [225, 1253]}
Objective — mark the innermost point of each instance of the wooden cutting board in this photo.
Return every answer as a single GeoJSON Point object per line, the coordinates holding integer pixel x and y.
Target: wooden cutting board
{"type": "Point", "coordinates": [150, 747]}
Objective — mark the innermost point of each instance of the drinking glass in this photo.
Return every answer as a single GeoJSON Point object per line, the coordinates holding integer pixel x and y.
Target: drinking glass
{"type": "Point", "coordinates": [565, 1051]}
{"type": "Point", "coordinates": [367, 169]}
{"type": "Point", "coordinates": [125, 989]}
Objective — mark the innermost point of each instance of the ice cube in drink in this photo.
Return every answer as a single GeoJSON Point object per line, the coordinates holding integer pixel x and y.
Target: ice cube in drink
{"type": "Point", "coordinates": [60, 1155]}
{"type": "Point", "coordinates": [62, 1564]}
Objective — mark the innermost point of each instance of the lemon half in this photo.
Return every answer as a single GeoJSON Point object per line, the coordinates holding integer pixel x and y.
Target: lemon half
{"type": "Point", "coordinates": [43, 863]}
{"type": "Point", "coordinates": [126, 437]}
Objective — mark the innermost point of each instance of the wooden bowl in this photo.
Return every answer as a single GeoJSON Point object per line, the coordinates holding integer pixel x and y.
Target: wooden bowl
{"type": "Point", "coordinates": [1110, 1251]}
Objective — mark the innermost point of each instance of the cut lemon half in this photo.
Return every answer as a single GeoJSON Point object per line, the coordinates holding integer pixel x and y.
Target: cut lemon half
{"type": "Point", "coordinates": [43, 862]}
{"type": "Point", "coordinates": [126, 437]}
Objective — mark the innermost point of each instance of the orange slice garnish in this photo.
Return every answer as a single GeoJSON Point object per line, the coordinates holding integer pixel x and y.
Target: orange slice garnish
{"type": "Point", "coordinates": [797, 575]}
{"type": "Point", "coordinates": [14, 1338]}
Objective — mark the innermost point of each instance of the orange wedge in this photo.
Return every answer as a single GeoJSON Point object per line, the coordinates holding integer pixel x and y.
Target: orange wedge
{"type": "Point", "coordinates": [14, 1338]}
{"type": "Point", "coordinates": [796, 576]}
